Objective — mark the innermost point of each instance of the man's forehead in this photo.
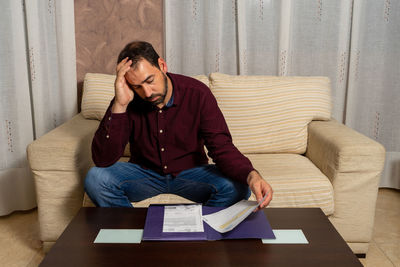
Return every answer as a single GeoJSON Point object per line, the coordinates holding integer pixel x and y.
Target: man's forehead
{"type": "Point", "coordinates": [141, 65]}
{"type": "Point", "coordinates": [140, 72]}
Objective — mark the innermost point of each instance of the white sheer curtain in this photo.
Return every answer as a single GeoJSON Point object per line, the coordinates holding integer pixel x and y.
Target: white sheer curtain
{"type": "Point", "coordinates": [37, 87]}
{"type": "Point", "coordinates": [308, 37]}
{"type": "Point", "coordinates": [374, 79]}
{"type": "Point", "coordinates": [284, 37]}
{"type": "Point", "coordinates": [201, 36]}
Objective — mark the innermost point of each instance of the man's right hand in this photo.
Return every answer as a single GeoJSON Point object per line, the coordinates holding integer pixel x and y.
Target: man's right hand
{"type": "Point", "coordinates": [123, 93]}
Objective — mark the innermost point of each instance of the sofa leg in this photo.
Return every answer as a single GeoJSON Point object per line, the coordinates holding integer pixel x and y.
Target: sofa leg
{"type": "Point", "coordinates": [361, 255]}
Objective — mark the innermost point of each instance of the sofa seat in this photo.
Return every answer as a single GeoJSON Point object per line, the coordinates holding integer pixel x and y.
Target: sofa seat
{"type": "Point", "coordinates": [297, 183]}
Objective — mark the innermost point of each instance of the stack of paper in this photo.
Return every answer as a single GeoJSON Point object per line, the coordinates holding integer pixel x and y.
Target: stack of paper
{"type": "Point", "coordinates": [227, 219]}
{"type": "Point", "coordinates": [186, 222]}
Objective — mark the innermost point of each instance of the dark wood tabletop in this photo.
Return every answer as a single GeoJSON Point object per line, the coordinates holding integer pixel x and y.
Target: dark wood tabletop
{"type": "Point", "coordinates": [75, 247]}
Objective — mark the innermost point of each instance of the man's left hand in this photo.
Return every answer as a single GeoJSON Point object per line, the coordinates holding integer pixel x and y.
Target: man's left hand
{"type": "Point", "coordinates": [260, 188]}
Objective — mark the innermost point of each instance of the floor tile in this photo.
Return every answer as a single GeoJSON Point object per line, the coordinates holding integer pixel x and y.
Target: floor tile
{"type": "Point", "coordinates": [36, 260]}
{"type": "Point", "coordinates": [375, 257]}
{"type": "Point", "coordinates": [386, 234]}
{"type": "Point", "coordinates": [19, 238]}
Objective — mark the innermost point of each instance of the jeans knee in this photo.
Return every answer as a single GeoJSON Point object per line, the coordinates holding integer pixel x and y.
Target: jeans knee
{"type": "Point", "coordinates": [233, 191]}
{"type": "Point", "coordinates": [97, 179]}
{"type": "Point", "coordinates": [91, 180]}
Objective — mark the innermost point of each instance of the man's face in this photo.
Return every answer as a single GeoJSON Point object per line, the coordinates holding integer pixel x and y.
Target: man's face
{"type": "Point", "coordinates": [149, 82]}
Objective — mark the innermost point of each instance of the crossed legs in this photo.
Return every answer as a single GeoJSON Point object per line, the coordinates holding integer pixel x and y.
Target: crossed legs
{"type": "Point", "coordinates": [125, 182]}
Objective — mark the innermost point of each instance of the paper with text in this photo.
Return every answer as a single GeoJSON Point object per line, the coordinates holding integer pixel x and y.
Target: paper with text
{"type": "Point", "coordinates": [227, 219]}
{"type": "Point", "coordinates": [183, 218]}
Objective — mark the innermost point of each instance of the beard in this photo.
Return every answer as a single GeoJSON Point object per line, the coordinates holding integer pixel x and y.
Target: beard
{"type": "Point", "coordinates": [161, 96]}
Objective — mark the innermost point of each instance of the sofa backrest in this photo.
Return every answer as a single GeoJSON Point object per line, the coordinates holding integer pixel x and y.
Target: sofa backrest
{"type": "Point", "coordinates": [270, 114]}
{"type": "Point", "coordinates": [265, 114]}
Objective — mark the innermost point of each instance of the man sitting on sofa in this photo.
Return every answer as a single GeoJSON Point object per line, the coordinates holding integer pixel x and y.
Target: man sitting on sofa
{"type": "Point", "coordinates": [167, 119]}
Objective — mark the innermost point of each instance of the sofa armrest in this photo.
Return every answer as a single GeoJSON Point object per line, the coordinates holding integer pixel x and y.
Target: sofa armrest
{"type": "Point", "coordinates": [59, 161]}
{"type": "Point", "coordinates": [353, 163]}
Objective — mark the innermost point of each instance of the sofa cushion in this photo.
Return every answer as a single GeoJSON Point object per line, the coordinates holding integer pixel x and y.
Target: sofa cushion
{"type": "Point", "coordinates": [98, 91]}
{"type": "Point", "coordinates": [294, 178]}
{"type": "Point", "coordinates": [202, 78]}
{"type": "Point", "coordinates": [296, 181]}
{"type": "Point", "coordinates": [270, 114]}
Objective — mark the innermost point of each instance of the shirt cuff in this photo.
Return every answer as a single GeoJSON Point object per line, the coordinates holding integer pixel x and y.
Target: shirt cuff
{"type": "Point", "coordinates": [115, 123]}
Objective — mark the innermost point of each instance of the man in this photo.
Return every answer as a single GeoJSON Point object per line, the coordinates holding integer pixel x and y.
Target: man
{"type": "Point", "coordinates": [167, 119]}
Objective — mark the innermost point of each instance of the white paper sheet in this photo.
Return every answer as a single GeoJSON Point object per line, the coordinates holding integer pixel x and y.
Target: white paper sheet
{"type": "Point", "coordinates": [287, 236]}
{"type": "Point", "coordinates": [183, 218]}
{"type": "Point", "coordinates": [119, 236]}
{"type": "Point", "coordinates": [227, 219]}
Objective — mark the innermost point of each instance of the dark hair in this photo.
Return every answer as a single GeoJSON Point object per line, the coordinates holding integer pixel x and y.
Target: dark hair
{"type": "Point", "coordinates": [139, 50]}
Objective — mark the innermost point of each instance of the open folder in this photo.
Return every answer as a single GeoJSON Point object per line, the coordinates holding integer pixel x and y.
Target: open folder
{"type": "Point", "coordinates": [254, 226]}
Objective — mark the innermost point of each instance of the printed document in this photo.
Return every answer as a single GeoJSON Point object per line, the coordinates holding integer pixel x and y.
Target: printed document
{"type": "Point", "coordinates": [183, 218]}
{"type": "Point", "coordinates": [227, 219]}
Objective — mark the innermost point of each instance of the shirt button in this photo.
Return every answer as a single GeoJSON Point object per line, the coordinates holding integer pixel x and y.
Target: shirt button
{"type": "Point", "coordinates": [162, 149]}
{"type": "Point", "coordinates": [161, 131]}
{"type": "Point", "coordinates": [160, 111]}
{"type": "Point", "coordinates": [107, 136]}
{"type": "Point", "coordinates": [109, 118]}
{"type": "Point", "coordinates": [165, 167]}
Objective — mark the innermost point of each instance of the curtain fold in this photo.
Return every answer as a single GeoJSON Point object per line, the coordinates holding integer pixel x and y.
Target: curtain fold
{"type": "Point", "coordinates": [201, 36]}
{"type": "Point", "coordinates": [374, 80]}
{"type": "Point", "coordinates": [261, 37]}
{"type": "Point", "coordinates": [354, 43]}
{"type": "Point", "coordinates": [37, 86]}
{"type": "Point", "coordinates": [51, 46]}
{"type": "Point", "coordinates": [16, 130]}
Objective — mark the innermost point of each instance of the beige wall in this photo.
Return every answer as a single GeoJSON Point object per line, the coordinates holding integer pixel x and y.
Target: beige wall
{"type": "Point", "coordinates": [104, 27]}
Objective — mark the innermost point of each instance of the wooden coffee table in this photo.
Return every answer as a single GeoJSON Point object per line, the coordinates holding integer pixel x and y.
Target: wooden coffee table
{"type": "Point", "coordinates": [75, 247]}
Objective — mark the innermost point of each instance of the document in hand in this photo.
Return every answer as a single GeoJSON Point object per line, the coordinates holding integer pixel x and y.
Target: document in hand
{"type": "Point", "coordinates": [227, 219]}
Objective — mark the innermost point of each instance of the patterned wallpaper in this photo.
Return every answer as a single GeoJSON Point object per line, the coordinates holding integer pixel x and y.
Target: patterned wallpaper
{"type": "Point", "coordinates": [104, 27]}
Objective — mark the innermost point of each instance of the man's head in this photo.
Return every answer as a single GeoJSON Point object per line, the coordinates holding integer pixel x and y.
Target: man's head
{"type": "Point", "coordinates": [147, 75]}
{"type": "Point", "coordinates": [137, 51]}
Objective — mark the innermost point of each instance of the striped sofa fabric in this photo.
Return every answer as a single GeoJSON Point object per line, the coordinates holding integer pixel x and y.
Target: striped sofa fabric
{"type": "Point", "coordinates": [98, 91]}
{"type": "Point", "coordinates": [270, 114]}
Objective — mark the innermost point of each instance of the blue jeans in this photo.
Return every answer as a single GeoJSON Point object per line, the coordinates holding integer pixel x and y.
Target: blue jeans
{"type": "Point", "coordinates": [125, 182]}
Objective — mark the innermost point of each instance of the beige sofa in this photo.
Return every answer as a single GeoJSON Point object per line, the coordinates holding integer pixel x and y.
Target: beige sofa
{"type": "Point", "coordinates": [282, 124]}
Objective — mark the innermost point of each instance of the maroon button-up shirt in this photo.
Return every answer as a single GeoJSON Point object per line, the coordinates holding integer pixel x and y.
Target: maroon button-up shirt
{"type": "Point", "coordinates": [171, 139]}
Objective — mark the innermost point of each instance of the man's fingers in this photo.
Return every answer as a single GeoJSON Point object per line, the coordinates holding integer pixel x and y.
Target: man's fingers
{"type": "Point", "coordinates": [268, 198]}
{"type": "Point", "coordinates": [266, 189]}
{"type": "Point", "coordinates": [119, 66]}
{"type": "Point", "coordinates": [260, 188]}
{"type": "Point", "coordinates": [123, 67]}
{"type": "Point", "coordinates": [257, 192]}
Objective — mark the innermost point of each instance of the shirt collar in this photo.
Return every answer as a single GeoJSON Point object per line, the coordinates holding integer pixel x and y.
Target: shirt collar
{"type": "Point", "coordinates": [176, 94]}
{"type": "Point", "coordinates": [171, 101]}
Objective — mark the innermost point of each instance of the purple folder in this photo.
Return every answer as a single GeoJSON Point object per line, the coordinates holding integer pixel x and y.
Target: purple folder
{"type": "Point", "coordinates": [255, 226]}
